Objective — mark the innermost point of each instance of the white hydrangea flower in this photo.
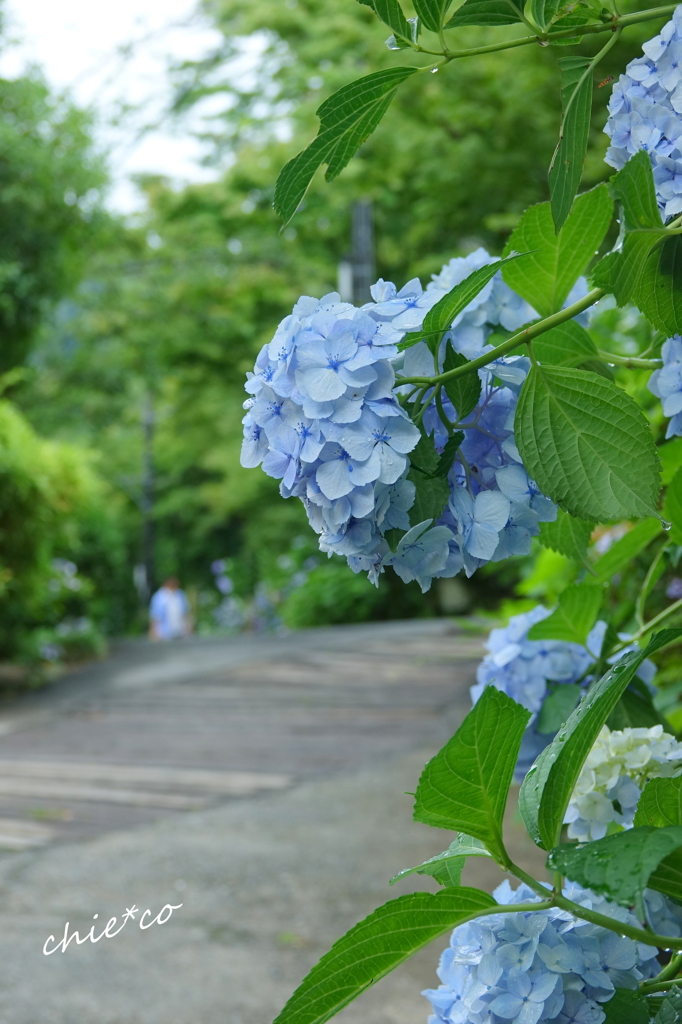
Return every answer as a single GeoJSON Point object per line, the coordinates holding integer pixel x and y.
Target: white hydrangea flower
{"type": "Point", "coordinates": [616, 771]}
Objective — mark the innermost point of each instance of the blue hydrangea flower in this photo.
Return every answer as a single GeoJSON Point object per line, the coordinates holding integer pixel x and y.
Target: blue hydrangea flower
{"type": "Point", "coordinates": [532, 967]}
{"type": "Point", "coordinates": [666, 383]}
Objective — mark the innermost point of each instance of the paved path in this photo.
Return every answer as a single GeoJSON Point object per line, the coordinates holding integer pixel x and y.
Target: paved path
{"type": "Point", "coordinates": [258, 781]}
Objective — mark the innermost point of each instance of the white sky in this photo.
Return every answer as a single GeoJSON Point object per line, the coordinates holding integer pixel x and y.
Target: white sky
{"type": "Point", "coordinates": [78, 44]}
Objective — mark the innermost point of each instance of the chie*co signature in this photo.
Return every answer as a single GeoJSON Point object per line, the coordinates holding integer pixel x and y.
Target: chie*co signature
{"type": "Point", "coordinates": [108, 933]}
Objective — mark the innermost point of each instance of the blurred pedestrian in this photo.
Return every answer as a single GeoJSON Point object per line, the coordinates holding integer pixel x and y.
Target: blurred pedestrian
{"type": "Point", "coordinates": [169, 612]}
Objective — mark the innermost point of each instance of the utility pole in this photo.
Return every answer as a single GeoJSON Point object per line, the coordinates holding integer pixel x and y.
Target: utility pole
{"type": "Point", "coordinates": [356, 274]}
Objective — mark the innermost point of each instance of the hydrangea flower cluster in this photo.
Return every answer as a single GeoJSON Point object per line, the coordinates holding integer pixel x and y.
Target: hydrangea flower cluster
{"type": "Point", "coordinates": [325, 417]}
{"type": "Point", "coordinates": [646, 113]}
{"type": "Point", "coordinates": [616, 771]}
{"type": "Point", "coordinates": [537, 966]}
{"type": "Point", "coordinates": [666, 384]}
{"type": "Point", "coordinates": [525, 669]}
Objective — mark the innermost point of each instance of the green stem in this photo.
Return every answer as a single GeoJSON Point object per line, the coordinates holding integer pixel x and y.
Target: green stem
{"type": "Point", "coordinates": [449, 426]}
{"type": "Point", "coordinates": [638, 934]}
{"type": "Point", "coordinates": [588, 71]}
{"type": "Point", "coordinates": [511, 343]}
{"type": "Point", "coordinates": [646, 585]}
{"type": "Point", "coordinates": [668, 973]}
{"type": "Point", "coordinates": [631, 362]}
{"type": "Point", "coordinates": [651, 624]}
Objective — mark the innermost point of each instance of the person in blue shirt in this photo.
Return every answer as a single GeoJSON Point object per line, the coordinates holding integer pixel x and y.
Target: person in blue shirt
{"type": "Point", "coordinates": [169, 612]}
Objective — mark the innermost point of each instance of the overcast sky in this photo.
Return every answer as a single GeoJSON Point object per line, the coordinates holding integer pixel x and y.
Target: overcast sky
{"type": "Point", "coordinates": [78, 45]}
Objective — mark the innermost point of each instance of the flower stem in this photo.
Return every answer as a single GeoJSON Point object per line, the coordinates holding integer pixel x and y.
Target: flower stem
{"type": "Point", "coordinates": [638, 934]}
{"type": "Point", "coordinates": [631, 362]}
{"type": "Point", "coordinates": [664, 979]}
{"type": "Point", "coordinates": [522, 337]}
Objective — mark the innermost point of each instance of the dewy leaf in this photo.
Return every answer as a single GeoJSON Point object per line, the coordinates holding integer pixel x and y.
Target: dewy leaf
{"type": "Point", "coordinates": [392, 15]}
{"type": "Point", "coordinates": [626, 1007]}
{"type": "Point", "coordinates": [431, 12]}
{"type": "Point", "coordinates": [661, 803]}
{"type": "Point", "coordinates": [587, 444]}
{"type": "Point", "coordinates": [621, 554]}
{"type": "Point", "coordinates": [347, 119]}
{"type": "Point", "coordinates": [618, 866]}
{"type": "Point", "coordinates": [573, 619]}
{"type": "Point", "coordinates": [568, 536]}
{"type": "Point", "coordinates": [440, 317]}
{"type": "Point", "coordinates": [566, 168]}
{"type": "Point", "coordinates": [447, 865]}
{"type": "Point", "coordinates": [547, 276]}
{"type": "Point", "coordinates": [486, 13]}
{"type": "Point", "coordinates": [672, 508]}
{"type": "Point", "coordinates": [557, 707]}
{"type": "Point", "coordinates": [465, 786]}
{"type": "Point", "coordinates": [548, 786]}
{"type": "Point", "coordinates": [568, 344]}
{"type": "Point", "coordinates": [464, 392]}
{"type": "Point", "coordinates": [375, 946]}
{"type": "Point", "coordinates": [671, 1008]}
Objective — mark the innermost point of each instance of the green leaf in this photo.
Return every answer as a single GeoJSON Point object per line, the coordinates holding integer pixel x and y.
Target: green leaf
{"type": "Point", "coordinates": [635, 710]}
{"type": "Point", "coordinates": [464, 787]}
{"type": "Point", "coordinates": [464, 392]}
{"type": "Point", "coordinates": [440, 317]}
{"type": "Point", "coordinates": [574, 617]}
{"type": "Point", "coordinates": [667, 878]}
{"type": "Point", "coordinates": [566, 168]}
{"type": "Point", "coordinates": [446, 867]}
{"type": "Point", "coordinates": [448, 454]}
{"type": "Point", "coordinates": [621, 554]}
{"type": "Point", "coordinates": [587, 444]}
{"type": "Point", "coordinates": [672, 507]}
{"type": "Point", "coordinates": [568, 344]}
{"type": "Point", "coordinates": [568, 536]}
{"type": "Point", "coordinates": [548, 786]}
{"type": "Point", "coordinates": [432, 492]}
{"type": "Point", "coordinates": [549, 273]}
{"type": "Point", "coordinates": [626, 1007]}
{"type": "Point", "coordinates": [618, 866]}
{"type": "Point", "coordinates": [670, 454]}
{"type": "Point", "coordinates": [390, 12]}
{"type": "Point", "coordinates": [485, 12]}
{"type": "Point", "coordinates": [347, 119]}
{"type": "Point", "coordinates": [431, 13]}
{"type": "Point", "coordinates": [671, 1008]}
{"type": "Point", "coordinates": [375, 946]}
{"type": "Point", "coordinates": [557, 707]}
{"type": "Point", "coordinates": [661, 803]}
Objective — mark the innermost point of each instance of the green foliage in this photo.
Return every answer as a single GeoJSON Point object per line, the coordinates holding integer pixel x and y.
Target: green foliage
{"type": "Point", "coordinates": [375, 946]}
{"type": "Point", "coordinates": [622, 553]}
{"type": "Point", "coordinates": [660, 804]}
{"type": "Point", "coordinates": [547, 788]}
{"type": "Point", "coordinates": [626, 1007]}
{"type": "Point", "coordinates": [432, 490]}
{"type": "Point", "coordinates": [569, 344]}
{"type": "Point", "coordinates": [574, 618]}
{"type": "Point", "coordinates": [566, 168]}
{"type": "Point", "coordinates": [556, 261]}
{"type": "Point", "coordinates": [446, 867]}
{"type": "Point", "coordinates": [331, 594]}
{"type": "Point", "coordinates": [672, 507]}
{"type": "Point", "coordinates": [671, 1008]}
{"type": "Point", "coordinates": [587, 444]}
{"type": "Point", "coordinates": [568, 536]}
{"type": "Point", "coordinates": [485, 13]}
{"type": "Point", "coordinates": [465, 391]}
{"type": "Point", "coordinates": [465, 786]}
{"type": "Point", "coordinates": [557, 707]}
{"type": "Point", "coordinates": [619, 866]}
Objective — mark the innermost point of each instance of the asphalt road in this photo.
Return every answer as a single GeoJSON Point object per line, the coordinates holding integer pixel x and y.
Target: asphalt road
{"type": "Point", "coordinates": [259, 782]}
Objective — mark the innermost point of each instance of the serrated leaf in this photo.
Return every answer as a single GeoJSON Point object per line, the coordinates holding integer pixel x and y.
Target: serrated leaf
{"type": "Point", "coordinates": [619, 866]}
{"type": "Point", "coordinates": [448, 454]}
{"type": "Point", "coordinates": [375, 946]}
{"type": "Point", "coordinates": [390, 12]}
{"type": "Point", "coordinates": [446, 867]}
{"type": "Point", "coordinates": [568, 344]}
{"type": "Point", "coordinates": [623, 551]}
{"type": "Point", "coordinates": [432, 492]}
{"type": "Point", "coordinates": [574, 617]}
{"type": "Point", "coordinates": [660, 803]}
{"type": "Point", "coordinates": [347, 119]}
{"type": "Point", "coordinates": [557, 707]}
{"type": "Point", "coordinates": [566, 168]}
{"type": "Point", "coordinates": [670, 1011]}
{"type": "Point", "coordinates": [441, 316]}
{"type": "Point", "coordinates": [431, 13]}
{"type": "Point", "coordinates": [548, 786]}
{"type": "Point", "coordinates": [549, 273]}
{"type": "Point", "coordinates": [672, 507]}
{"type": "Point", "coordinates": [464, 787]}
{"type": "Point", "coordinates": [486, 13]}
{"type": "Point", "coordinates": [464, 392]}
{"type": "Point", "coordinates": [568, 536]}
{"type": "Point", "coordinates": [626, 1007]}
{"type": "Point", "coordinates": [587, 444]}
